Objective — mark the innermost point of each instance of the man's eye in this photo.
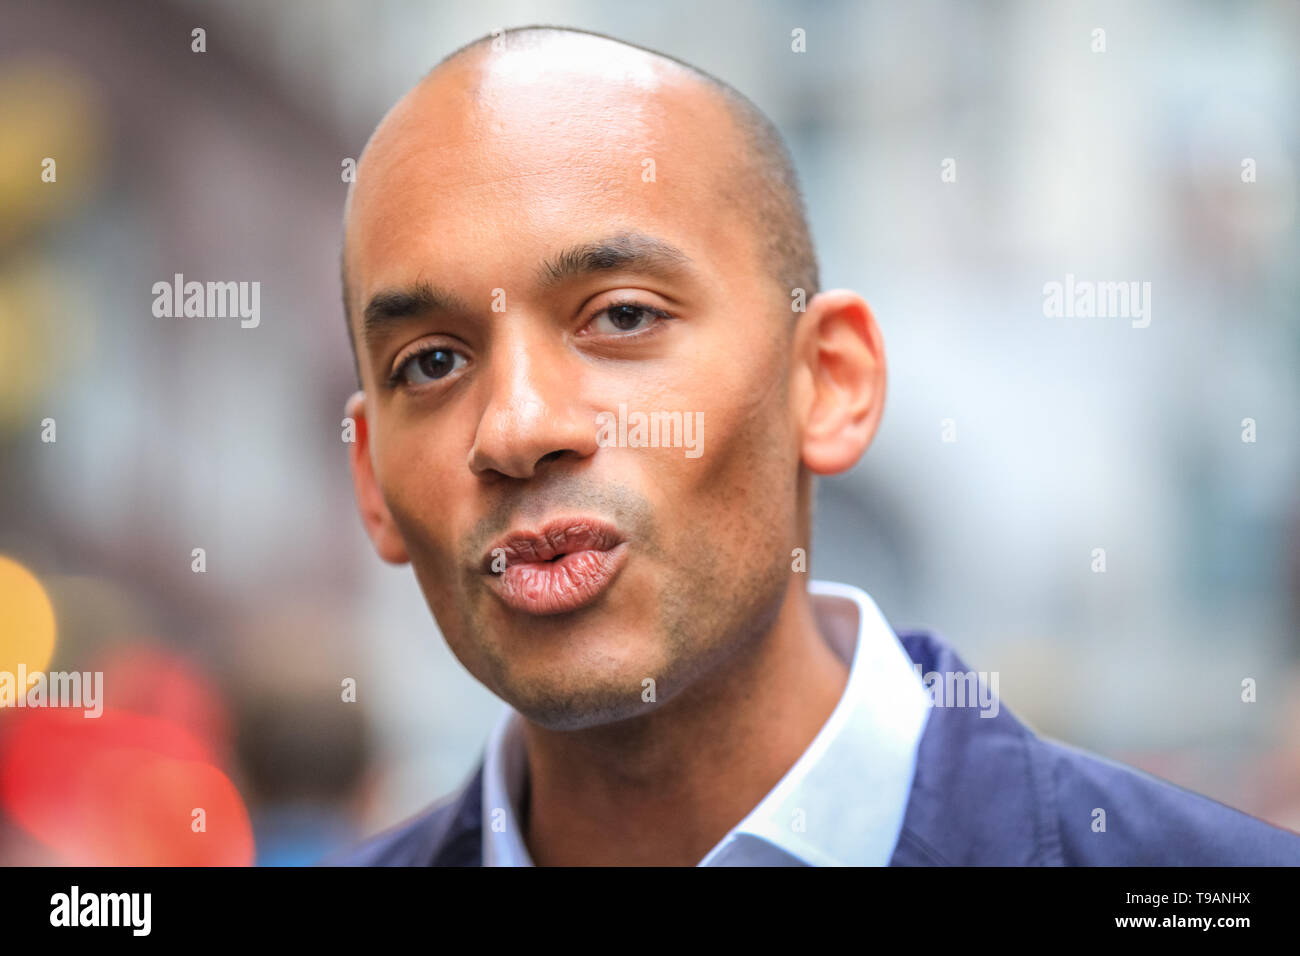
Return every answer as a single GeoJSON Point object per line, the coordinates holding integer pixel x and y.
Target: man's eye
{"type": "Point", "coordinates": [625, 317]}
{"type": "Point", "coordinates": [429, 366]}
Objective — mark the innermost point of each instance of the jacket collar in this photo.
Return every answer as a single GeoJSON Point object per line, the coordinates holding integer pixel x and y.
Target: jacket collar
{"type": "Point", "coordinates": [982, 793]}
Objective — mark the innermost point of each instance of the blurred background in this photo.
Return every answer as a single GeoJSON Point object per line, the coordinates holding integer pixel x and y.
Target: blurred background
{"type": "Point", "coordinates": [1071, 434]}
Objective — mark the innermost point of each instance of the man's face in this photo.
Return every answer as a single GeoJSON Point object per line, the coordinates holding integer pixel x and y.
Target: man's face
{"type": "Point", "coordinates": [483, 418]}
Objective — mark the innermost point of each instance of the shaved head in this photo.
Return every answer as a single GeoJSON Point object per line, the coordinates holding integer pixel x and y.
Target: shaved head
{"type": "Point", "coordinates": [760, 181]}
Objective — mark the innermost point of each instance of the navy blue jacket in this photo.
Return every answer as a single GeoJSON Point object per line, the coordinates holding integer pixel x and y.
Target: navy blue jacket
{"type": "Point", "coordinates": [987, 792]}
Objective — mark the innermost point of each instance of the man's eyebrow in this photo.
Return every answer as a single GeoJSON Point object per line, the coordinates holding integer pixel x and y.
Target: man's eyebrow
{"type": "Point", "coordinates": [633, 251]}
{"type": "Point", "coordinates": [629, 250]}
{"type": "Point", "coordinates": [390, 305]}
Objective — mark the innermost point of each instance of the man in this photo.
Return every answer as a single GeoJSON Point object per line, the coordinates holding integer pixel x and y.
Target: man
{"type": "Point", "coordinates": [598, 379]}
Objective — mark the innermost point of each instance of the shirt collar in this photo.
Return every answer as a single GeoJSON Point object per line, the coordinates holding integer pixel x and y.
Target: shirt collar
{"type": "Point", "coordinates": [843, 801]}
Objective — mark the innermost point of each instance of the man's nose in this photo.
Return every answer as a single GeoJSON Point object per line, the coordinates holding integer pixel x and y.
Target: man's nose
{"type": "Point", "coordinates": [533, 414]}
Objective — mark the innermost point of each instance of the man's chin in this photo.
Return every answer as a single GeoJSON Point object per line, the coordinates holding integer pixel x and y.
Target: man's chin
{"type": "Point", "coordinates": [568, 708]}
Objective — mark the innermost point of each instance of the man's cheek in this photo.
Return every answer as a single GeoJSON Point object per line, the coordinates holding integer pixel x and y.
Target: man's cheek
{"type": "Point", "coordinates": [410, 480]}
{"type": "Point", "coordinates": [420, 525]}
{"type": "Point", "coordinates": [739, 441]}
{"type": "Point", "coordinates": [752, 473]}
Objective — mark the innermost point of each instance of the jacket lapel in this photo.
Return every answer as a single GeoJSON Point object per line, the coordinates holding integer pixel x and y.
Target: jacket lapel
{"type": "Point", "coordinates": [979, 797]}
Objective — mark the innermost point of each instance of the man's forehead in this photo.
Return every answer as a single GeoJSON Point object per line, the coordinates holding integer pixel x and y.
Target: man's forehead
{"type": "Point", "coordinates": [538, 137]}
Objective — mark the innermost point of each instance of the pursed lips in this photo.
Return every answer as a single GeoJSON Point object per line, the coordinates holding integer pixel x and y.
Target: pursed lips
{"type": "Point", "coordinates": [563, 566]}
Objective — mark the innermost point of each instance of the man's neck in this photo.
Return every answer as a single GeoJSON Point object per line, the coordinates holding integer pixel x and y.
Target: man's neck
{"type": "Point", "coordinates": [663, 789]}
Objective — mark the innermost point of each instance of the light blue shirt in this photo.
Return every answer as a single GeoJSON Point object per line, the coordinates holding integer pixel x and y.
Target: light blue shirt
{"type": "Point", "coordinates": [841, 804]}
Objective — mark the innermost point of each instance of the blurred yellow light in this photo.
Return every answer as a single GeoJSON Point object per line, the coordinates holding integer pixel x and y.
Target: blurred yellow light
{"type": "Point", "coordinates": [29, 289]}
{"type": "Point", "coordinates": [49, 110]}
{"type": "Point", "coordinates": [26, 620]}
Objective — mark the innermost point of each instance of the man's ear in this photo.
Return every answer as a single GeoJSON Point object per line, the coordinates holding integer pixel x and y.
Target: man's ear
{"type": "Point", "coordinates": [840, 383]}
{"type": "Point", "coordinates": [370, 500]}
